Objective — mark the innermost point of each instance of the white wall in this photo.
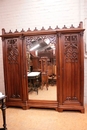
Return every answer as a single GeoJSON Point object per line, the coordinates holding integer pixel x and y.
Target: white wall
{"type": "Point", "coordinates": [18, 14]}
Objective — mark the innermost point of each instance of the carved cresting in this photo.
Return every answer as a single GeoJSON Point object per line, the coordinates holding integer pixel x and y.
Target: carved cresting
{"type": "Point", "coordinates": [71, 48]}
{"type": "Point", "coordinates": [12, 51]}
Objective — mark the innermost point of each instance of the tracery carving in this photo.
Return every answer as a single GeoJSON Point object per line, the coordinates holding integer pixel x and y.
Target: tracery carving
{"type": "Point", "coordinates": [30, 39]}
{"type": "Point", "coordinates": [71, 48]}
{"type": "Point", "coordinates": [12, 51]}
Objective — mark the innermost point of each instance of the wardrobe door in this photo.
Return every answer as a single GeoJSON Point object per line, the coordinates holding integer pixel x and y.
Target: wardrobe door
{"type": "Point", "coordinates": [13, 71]}
{"type": "Point", "coordinates": [71, 72]}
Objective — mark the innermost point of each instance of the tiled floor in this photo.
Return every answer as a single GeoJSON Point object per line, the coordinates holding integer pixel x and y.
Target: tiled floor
{"type": "Point", "coordinates": [44, 119]}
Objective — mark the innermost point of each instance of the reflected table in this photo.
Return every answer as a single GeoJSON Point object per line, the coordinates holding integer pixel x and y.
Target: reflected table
{"type": "Point", "coordinates": [3, 107]}
{"type": "Point", "coordinates": [34, 80]}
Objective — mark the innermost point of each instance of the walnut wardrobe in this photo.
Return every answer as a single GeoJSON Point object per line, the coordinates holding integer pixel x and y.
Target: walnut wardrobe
{"type": "Point", "coordinates": [69, 68]}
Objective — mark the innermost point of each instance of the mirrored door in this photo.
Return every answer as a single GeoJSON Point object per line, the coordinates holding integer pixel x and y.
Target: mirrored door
{"type": "Point", "coordinates": [41, 67]}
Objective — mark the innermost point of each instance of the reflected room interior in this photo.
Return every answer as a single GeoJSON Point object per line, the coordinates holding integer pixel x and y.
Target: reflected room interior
{"type": "Point", "coordinates": [41, 68]}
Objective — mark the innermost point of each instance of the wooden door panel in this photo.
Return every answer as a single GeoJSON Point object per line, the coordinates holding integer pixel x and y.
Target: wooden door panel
{"type": "Point", "coordinates": [13, 80]}
{"type": "Point", "coordinates": [13, 67]}
{"type": "Point", "coordinates": [71, 82]}
{"type": "Point", "coordinates": [70, 68]}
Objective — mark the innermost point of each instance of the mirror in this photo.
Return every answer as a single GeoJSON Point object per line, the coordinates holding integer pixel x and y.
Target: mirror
{"type": "Point", "coordinates": [41, 67]}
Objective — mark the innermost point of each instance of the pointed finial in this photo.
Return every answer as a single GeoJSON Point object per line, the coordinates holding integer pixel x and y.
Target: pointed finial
{"type": "Point", "coordinates": [10, 31]}
{"type": "Point", "coordinates": [22, 30]}
{"type": "Point", "coordinates": [72, 26]}
{"type": "Point", "coordinates": [16, 31]}
{"type": "Point", "coordinates": [49, 28]}
{"type": "Point", "coordinates": [64, 27]}
{"type": "Point", "coordinates": [42, 28]}
{"type": "Point", "coordinates": [28, 30]}
{"type": "Point", "coordinates": [35, 29]}
{"type": "Point", "coordinates": [57, 27]}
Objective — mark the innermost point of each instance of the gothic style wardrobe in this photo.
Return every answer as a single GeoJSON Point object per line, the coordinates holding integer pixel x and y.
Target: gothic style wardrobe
{"type": "Point", "coordinates": [69, 68]}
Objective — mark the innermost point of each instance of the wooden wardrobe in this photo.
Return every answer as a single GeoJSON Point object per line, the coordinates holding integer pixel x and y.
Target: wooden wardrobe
{"type": "Point", "coordinates": [69, 70]}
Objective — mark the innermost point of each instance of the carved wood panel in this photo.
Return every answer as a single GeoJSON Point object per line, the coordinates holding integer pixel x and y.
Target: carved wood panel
{"type": "Point", "coordinates": [71, 48]}
{"type": "Point", "coordinates": [71, 68]}
{"type": "Point", "coordinates": [13, 67]}
{"type": "Point", "coordinates": [12, 51]}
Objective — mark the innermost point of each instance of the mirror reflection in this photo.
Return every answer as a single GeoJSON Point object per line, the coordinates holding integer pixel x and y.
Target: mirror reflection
{"type": "Point", "coordinates": [41, 67]}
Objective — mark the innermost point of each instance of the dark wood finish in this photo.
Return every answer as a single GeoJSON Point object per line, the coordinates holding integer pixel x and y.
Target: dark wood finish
{"type": "Point", "coordinates": [69, 68]}
{"type": "Point", "coordinates": [3, 108]}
